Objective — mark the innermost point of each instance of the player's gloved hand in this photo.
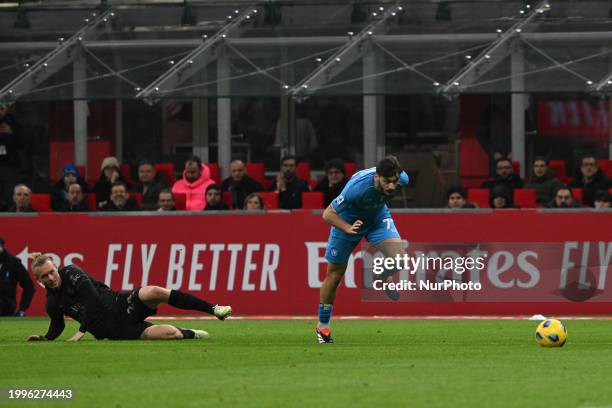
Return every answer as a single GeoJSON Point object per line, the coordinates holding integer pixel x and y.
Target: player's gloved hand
{"type": "Point", "coordinates": [20, 313]}
{"type": "Point", "coordinates": [355, 227]}
{"type": "Point", "coordinates": [37, 337]}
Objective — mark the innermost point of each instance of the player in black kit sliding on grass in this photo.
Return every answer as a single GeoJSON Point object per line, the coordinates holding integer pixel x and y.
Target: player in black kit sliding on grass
{"type": "Point", "coordinates": [108, 314]}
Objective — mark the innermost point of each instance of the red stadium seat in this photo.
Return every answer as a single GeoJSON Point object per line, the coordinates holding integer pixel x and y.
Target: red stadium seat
{"type": "Point", "coordinates": [138, 198]}
{"type": "Point", "coordinates": [480, 196]}
{"type": "Point", "coordinates": [577, 193]}
{"type": "Point", "coordinates": [126, 172]}
{"type": "Point", "coordinates": [312, 200]}
{"type": "Point", "coordinates": [81, 170]}
{"type": "Point", "coordinates": [41, 202]}
{"type": "Point", "coordinates": [303, 170]}
{"type": "Point", "coordinates": [214, 172]}
{"type": "Point", "coordinates": [312, 184]}
{"type": "Point", "coordinates": [350, 168]}
{"type": "Point", "coordinates": [516, 166]}
{"type": "Point", "coordinates": [525, 197]}
{"type": "Point", "coordinates": [559, 167]}
{"type": "Point", "coordinates": [474, 163]}
{"type": "Point", "coordinates": [606, 167]}
{"type": "Point", "coordinates": [256, 171]}
{"type": "Point", "coordinates": [168, 170]}
{"type": "Point", "coordinates": [270, 200]}
{"type": "Point", "coordinates": [227, 198]}
{"type": "Point", "coordinates": [91, 201]}
{"type": "Point", "coordinates": [180, 201]}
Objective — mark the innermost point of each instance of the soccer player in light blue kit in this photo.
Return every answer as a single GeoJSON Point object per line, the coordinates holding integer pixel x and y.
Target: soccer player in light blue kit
{"type": "Point", "coordinates": [360, 211]}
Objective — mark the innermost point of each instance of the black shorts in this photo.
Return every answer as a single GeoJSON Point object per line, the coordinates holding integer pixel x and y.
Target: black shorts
{"type": "Point", "coordinates": [130, 314]}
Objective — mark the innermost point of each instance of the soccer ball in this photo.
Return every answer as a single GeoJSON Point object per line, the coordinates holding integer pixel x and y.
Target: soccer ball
{"type": "Point", "coordinates": [551, 333]}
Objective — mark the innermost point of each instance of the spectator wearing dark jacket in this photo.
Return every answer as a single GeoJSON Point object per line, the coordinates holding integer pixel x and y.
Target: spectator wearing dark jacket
{"type": "Point", "coordinates": [590, 179]}
{"type": "Point", "coordinates": [505, 176]}
{"type": "Point", "coordinates": [564, 198]}
{"type": "Point", "coordinates": [288, 186]}
{"type": "Point", "coordinates": [544, 180]}
{"type": "Point", "coordinates": [12, 272]}
{"type": "Point", "coordinates": [110, 173]}
{"type": "Point", "coordinates": [150, 184]}
{"type": "Point", "coordinates": [13, 160]}
{"type": "Point", "coordinates": [119, 199]}
{"type": "Point", "coordinates": [21, 200]}
{"type": "Point", "coordinates": [76, 200]}
{"type": "Point", "coordinates": [239, 184]}
{"type": "Point", "coordinates": [334, 181]}
{"type": "Point", "coordinates": [456, 197]}
{"type": "Point", "coordinates": [501, 197]}
{"type": "Point", "coordinates": [59, 192]}
{"type": "Point", "coordinates": [214, 199]}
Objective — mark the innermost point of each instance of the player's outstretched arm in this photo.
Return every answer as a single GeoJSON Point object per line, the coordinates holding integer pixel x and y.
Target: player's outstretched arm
{"type": "Point", "coordinates": [331, 216]}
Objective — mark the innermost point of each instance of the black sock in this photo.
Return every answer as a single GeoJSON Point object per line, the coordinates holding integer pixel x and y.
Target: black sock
{"type": "Point", "coordinates": [187, 333]}
{"type": "Point", "coordinates": [182, 300]}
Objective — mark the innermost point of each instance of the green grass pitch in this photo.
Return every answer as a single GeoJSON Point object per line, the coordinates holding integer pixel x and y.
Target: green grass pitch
{"type": "Point", "coordinates": [374, 363]}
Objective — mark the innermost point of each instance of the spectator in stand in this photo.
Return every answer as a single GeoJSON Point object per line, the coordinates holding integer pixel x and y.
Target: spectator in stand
{"type": "Point", "coordinates": [253, 202]}
{"type": "Point", "coordinates": [76, 200]}
{"type": "Point", "coordinates": [288, 186]}
{"type": "Point", "coordinates": [150, 183]}
{"type": "Point", "coordinates": [59, 192]}
{"type": "Point", "coordinates": [505, 176]}
{"type": "Point", "coordinates": [544, 180]}
{"type": "Point", "coordinates": [501, 197]}
{"type": "Point", "coordinates": [165, 201]}
{"type": "Point", "coordinates": [456, 197]}
{"type": "Point", "coordinates": [12, 156]}
{"type": "Point", "coordinates": [214, 199]}
{"type": "Point", "coordinates": [110, 173]}
{"type": "Point", "coordinates": [603, 199]}
{"type": "Point", "coordinates": [563, 199]}
{"type": "Point", "coordinates": [334, 181]}
{"type": "Point", "coordinates": [12, 272]}
{"type": "Point", "coordinates": [239, 184]}
{"type": "Point", "coordinates": [196, 177]}
{"type": "Point", "coordinates": [21, 199]}
{"type": "Point", "coordinates": [590, 179]}
{"type": "Point", "coordinates": [120, 199]}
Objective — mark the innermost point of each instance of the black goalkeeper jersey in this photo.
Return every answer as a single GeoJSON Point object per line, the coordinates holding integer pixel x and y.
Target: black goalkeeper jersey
{"type": "Point", "coordinates": [84, 299]}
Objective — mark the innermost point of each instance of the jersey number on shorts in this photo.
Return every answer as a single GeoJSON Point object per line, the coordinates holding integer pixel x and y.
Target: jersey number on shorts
{"type": "Point", "coordinates": [389, 222]}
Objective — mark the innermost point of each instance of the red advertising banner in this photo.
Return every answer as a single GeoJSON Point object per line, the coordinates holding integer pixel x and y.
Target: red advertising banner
{"type": "Point", "coordinates": [576, 119]}
{"type": "Point", "coordinates": [537, 261]}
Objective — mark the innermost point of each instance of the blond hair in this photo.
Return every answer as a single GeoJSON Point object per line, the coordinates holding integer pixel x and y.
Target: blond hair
{"type": "Point", "coordinates": [38, 260]}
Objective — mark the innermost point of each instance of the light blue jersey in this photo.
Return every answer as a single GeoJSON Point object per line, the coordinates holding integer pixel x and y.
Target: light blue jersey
{"type": "Point", "coordinates": [360, 200]}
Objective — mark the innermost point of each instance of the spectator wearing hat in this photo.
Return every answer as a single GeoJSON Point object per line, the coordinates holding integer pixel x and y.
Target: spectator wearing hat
{"type": "Point", "coordinates": [59, 192]}
{"type": "Point", "coordinates": [110, 173]}
{"type": "Point", "coordinates": [13, 272]}
{"type": "Point", "coordinates": [334, 181]}
{"type": "Point", "coordinates": [456, 197]}
{"type": "Point", "coordinates": [501, 197]}
{"type": "Point", "coordinates": [603, 199]}
{"type": "Point", "coordinates": [196, 178]}
{"type": "Point", "coordinates": [21, 199]}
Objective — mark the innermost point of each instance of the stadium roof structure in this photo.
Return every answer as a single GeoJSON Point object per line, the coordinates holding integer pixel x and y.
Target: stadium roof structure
{"type": "Point", "coordinates": [156, 49]}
